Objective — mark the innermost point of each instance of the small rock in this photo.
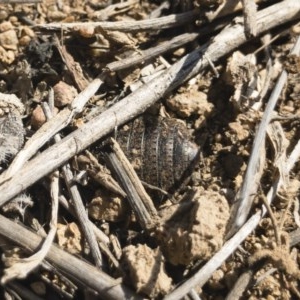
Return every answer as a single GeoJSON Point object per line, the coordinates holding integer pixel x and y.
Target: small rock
{"type": "Point", "coordinates": [239, 130]}
{"type": "Point", "coordinates": [64, 94]}
{"type": "Point", "coordinates": [6, 57]}
{"type": "Point", "coordinates": [38, 118]}
{"type": "Point", "coordinates": [108, 207]}
{"type": "Point", "coordinates": [196, 229]}
{"type": "Point", "coordinates": [3, 14]}
{"type": "Point", "coordinates": [190, 103]}
{"type": "Point", "coordinates": [9, 40]}
{"type": "Point", "coordinates": [5, 26]}
{"type": "Point", "coordinates": [69, 237]}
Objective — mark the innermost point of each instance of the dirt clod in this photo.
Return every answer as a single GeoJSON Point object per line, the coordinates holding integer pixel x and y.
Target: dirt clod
{"type": "Point", "coordinates": [108, 207]}
{"type": "Point", "coordinates": [64, 94]}
{"type": "Point", "coordinates": [146, 270]}
{"type": "Point", "coordinates": [69, 237]}
{"type": "Point", "coordinates": [196, 230]}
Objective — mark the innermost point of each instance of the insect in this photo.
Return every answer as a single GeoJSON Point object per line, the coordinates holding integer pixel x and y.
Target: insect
{"type": "Point", "coordinates": [159, 149]}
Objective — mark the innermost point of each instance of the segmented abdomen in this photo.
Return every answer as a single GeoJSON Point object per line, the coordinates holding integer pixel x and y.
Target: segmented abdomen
{"type": "Point", "coordinates": [159, 149]}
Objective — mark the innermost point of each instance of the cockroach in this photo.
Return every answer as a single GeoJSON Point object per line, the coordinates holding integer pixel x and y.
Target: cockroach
{"type": "Point", "coordinates": [160, 150]}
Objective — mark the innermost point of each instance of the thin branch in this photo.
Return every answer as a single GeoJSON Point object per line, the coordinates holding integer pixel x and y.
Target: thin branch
{"type": "Point", "coordinates": [82, 215]}
{"type": "Point", "coordinates": [240, 285]}
{"type": "Point", "coordinates": [142, 56]}
{"type": "Point", "coordinates": [101, 236]}
{"type": "Point", "coordinates": [23, 291]}
{"type": "Point", "coordinates": [272, 217]}
{"type": "Point", "coordinates": [193, 295]}
{"type": "Point", "coordinates": [145, 55]}
{"type": "Point", "coordinates": [112, 10]}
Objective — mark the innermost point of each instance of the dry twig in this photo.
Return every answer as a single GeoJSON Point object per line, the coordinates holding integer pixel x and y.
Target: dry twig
{"type": "Point", "coordinates": [139, 200]}
{"type": "Point", "coordinates": [73, 67]}
{"type": "Point", "coordinates": [249, 18]}
{"type": "Point", "coordinates": [113, 9]}
{"type": "Point", "coordinates": [128, 26]}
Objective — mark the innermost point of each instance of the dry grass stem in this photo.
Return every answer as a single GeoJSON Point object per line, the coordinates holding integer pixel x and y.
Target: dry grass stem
{"type": "Point", "coordinates": [273, 219]}
{"type": "Point", "coordinates": [145, 55]}
{"type": "Point", "coordinates": [101, 236]}
{"type": "Point", "coordinates": [26, 293]}
{"type": "Point", "coordinates": [240, 286]}
{"type": "Point", "coordinates": [296, 212]}
{"type": "Point", "coordinates": [82, 216]}
{"type": "Point", "coordinates": [128, 26]}
{"type": "Point", "coordinates": [193, 295]}
{"type": "Point", "coordinates": [113, 9]}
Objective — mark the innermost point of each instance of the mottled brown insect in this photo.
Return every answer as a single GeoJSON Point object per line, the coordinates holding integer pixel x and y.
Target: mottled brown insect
{"type": "Point", "coordinates": [159, 149]}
